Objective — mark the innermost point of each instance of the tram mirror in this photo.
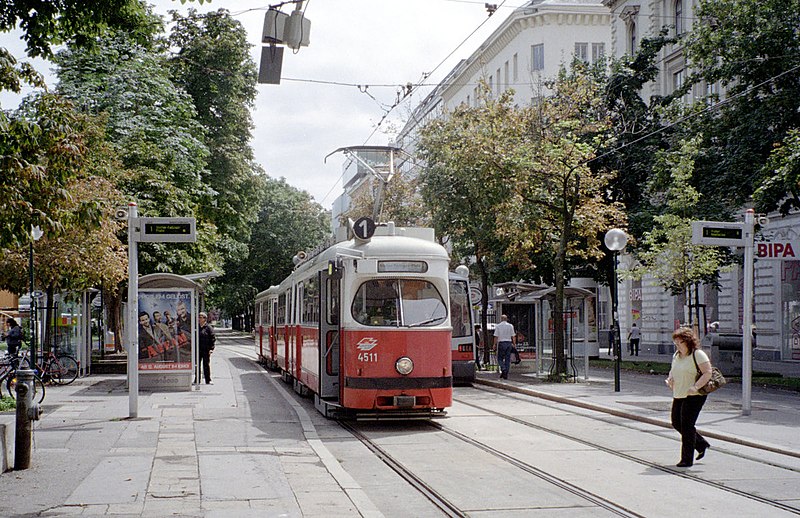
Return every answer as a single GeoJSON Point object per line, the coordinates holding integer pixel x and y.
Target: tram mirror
{"type": "Point", "coordinates": [367, 266]}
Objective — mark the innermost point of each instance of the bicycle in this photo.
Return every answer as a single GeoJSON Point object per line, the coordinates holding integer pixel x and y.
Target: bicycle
{"type": "Point", "coordinates": [61, 369]}
{"type": "Point", "coordinates": [8, 373]}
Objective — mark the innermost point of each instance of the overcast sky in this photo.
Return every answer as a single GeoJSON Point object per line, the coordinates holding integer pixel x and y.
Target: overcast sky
{"type": "Point", "coordinates": [357, 42]}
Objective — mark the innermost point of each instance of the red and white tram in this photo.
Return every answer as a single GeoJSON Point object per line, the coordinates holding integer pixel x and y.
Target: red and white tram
{"type": "Point", "coordinates": [364, 325]}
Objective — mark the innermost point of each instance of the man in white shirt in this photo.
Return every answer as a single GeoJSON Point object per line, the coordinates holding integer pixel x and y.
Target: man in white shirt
{"type": "Point", "coordinates": [634, 336]}
{"type": "Point", "coordinates": [504, 336]}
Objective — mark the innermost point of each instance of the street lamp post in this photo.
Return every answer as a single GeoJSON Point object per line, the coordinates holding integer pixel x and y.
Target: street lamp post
{"type": "Point", "coordinates": [36, 234]}
{"type": "Point", "coordinates": [615, 241]}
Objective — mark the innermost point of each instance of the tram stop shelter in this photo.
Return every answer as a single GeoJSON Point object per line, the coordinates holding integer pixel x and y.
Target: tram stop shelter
{"type": "Point", "coordinates": [530, 308]}
{"type": "Point", "coordinates": [167, 331]}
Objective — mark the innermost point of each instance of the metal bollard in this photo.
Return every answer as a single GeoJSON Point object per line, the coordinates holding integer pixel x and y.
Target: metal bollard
{"type": "Point", "coordinates": [27, 412]}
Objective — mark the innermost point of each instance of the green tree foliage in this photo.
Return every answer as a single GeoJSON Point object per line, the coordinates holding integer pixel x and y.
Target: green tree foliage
{"type": "Point", "coordinates": [402, 203]}
{"type": "Point", "coordinates": [152, 127]}
{"type": "Point", "coordinates": [751, 49]}
{"type": "Point", "coordinates": [53, 22]}
{"type": "Point", "coordinates": [638, 127]}
{"type": "Point", "coordinates": [42, 151]}
{"type": "Point", "coordinates": [784, 163]}
{"type": "Point", "coordinates": [667, 252]}
{"type": "Point", "coordinates": [558, 209]}
{"type": "Point", "coordinates": [288, 221]}
{"type": "Point", "coordinates": [214, 66]}
{"type": "Point", "coordinates": [468, 157]}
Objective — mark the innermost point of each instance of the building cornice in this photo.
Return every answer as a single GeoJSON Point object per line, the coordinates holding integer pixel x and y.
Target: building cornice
{"type": "Point", "coordinates": [541, 15]}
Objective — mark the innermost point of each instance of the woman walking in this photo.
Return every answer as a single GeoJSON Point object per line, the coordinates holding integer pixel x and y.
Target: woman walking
{"type": "Point", "coordinates": [686, 400]}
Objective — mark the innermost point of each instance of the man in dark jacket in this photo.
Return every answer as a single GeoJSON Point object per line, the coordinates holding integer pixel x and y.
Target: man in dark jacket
{"type": "Point", "coordinates": [13, 337]}
{"type": "Point", "coordinates": [207, 339]}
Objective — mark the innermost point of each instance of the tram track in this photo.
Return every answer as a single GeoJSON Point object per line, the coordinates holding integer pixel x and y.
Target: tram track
{"type": "Point", "coordinates": [547, 477]}
{"type": "Point", "coordinates": [626, 456]}
{"type": "Point", "coordinates": [609, 420]}
{"type": "Point", "coordinates": [448, 507]}
{"type": "Point", "coordinates": [443, 504]}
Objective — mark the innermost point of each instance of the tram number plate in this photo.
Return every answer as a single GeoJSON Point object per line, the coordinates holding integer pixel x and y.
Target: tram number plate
{"type": "Point", "coordinates": [368, 357]}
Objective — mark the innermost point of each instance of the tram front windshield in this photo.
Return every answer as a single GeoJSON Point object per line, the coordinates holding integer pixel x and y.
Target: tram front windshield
{"type": "Point", "coordinates": [399, 302]}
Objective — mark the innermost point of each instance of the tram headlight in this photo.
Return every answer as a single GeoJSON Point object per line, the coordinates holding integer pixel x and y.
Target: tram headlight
{"type": "Point", "coordinates": [404, 365]}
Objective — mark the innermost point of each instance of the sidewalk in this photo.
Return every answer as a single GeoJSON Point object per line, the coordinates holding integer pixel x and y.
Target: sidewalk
{"type": "Point", "coordinates": [772, 424]}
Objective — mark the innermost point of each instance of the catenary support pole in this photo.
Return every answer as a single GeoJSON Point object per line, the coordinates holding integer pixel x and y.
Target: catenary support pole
{"type": "Point", "coordinates": [747, 324]}
{"type": "Point", "coordinates": [133, 309]}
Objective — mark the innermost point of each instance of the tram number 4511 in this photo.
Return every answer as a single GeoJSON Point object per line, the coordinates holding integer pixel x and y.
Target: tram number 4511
{"type": "Point", "coordinates": [368, 357]}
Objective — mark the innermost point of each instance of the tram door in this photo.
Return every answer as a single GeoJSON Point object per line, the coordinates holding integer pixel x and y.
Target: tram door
{"type": "Point", "coordinates": [330, 314]}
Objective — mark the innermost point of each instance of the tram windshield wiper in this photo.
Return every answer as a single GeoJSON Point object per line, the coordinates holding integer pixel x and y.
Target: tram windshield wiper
{"type": "Point", "coordinates": [424, 322]}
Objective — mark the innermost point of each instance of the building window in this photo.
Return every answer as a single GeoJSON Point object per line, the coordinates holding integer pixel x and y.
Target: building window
{"type": "Point", "coordinates": [537, 57]}
{"type": "Point", "coordinates": [505, 76]}
{"type": "Point", "coordinates": [582, 52]}
{"type": "Point", "coordinates": [712, 93]}
{"type": "Point", "coordinates": [598, 52]}
{"type": "Point", "coordinates": [491, 85]}
{"type": "Point", "coordinates": [677, 79]}
{"type": "Point", "coordinates": [516, 69]}
{"type": "Point", "coordinates": [468, 101]}
{"type": "Point", "coordinates": [475, 95]}
{"type": "Point", "coordinates": [499, 84]}
{"type": "Point", "coordinates": [679, 22]}
{"type": "Point", "coordinates": [632, 37]}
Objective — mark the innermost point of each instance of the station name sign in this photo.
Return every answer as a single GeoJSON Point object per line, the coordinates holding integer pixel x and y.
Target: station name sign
{"type": "Point", "coordinates": [717, 233]}
{"type": "Point", "coordinates": [167, 230]}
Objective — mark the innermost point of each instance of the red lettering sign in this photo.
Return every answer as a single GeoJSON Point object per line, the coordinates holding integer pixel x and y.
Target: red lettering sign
{"type": "Point", "coordinates": [775, 251]}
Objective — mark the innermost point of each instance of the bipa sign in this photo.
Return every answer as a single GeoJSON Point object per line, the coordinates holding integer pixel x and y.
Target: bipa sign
{"type": "Point", "coordinates": [777, 250]}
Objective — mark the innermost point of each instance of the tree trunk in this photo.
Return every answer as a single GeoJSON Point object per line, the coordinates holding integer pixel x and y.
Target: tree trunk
{"type": "Point", "coordinates": [113, 309]}
{"type": "Point", "coordinates": [487, 347]}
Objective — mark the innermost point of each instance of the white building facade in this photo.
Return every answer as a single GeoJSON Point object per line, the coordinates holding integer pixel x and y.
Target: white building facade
{"type": "Point", "coordinates": [529, 47]}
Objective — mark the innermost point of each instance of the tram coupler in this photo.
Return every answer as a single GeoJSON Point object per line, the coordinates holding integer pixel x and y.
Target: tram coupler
{"type": "Point", "coordinates": [27, 412]}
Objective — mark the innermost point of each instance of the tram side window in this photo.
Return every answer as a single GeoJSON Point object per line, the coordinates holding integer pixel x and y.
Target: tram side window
{"type": "Point", "coordinates": [459, 309]}
{"type": "Point", "coordinates": [333, 301]}
{"type": "Point", "coordinates": [398, 302]}
{"type": "Point", "coordinates": [310, 302]}
{"type": "Point", "coordinates": [281, 317]}
{"type": "Point", "coordinates": [265, 314]}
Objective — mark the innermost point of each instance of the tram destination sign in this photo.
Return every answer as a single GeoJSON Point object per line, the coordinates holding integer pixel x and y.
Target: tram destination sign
{"type": "Point", "coordinates": [167, 230]}
{"type": "Point", "coordinates": [717, 233]}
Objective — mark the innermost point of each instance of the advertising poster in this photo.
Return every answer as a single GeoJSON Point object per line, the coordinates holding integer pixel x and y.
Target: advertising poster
{"type": "Point", "coordinates": [165, 330]}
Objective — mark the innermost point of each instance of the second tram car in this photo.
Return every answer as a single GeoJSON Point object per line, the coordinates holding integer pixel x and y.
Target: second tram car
{"type": "Point", "coordinates": [463, 337]}
{"type": "Point", "coordinates": [364, 325]}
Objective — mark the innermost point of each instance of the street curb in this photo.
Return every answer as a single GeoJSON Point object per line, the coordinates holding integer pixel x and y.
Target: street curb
{"type": "Point", "coordinates": [627, 415]}
{"type": "Point", "coordinates": [7, 430]}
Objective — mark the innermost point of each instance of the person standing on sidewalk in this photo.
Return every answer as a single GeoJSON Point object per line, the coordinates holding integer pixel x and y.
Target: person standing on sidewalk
{"type": "Point", "coordinates": [13, 337]}
{"type": "Point", "coordinates": [634, 335]}
{"type": "Point", "coordinates": [207, 340]}
{"type": "Point", "coordinates": [686, 400]}
{"type": "Point", "coordinates": [504, 340]}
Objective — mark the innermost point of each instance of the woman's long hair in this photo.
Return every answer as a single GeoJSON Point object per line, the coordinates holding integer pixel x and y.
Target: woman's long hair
{"type": "Point", "coordinates": [688, 337]}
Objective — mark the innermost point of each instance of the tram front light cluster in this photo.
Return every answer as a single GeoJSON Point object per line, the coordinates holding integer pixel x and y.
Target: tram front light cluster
{"type": "Point", "coordinates": [404, 365]}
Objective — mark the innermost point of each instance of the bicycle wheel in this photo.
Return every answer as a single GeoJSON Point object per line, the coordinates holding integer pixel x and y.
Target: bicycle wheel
{"type": "Point", "coordinates": [38, 387]}
{"type": "Point", "coordinates": [64, 369]}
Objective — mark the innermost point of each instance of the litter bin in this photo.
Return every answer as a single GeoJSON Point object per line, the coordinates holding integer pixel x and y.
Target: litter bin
{"type": "Point", "coordinates": [726, 352]}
